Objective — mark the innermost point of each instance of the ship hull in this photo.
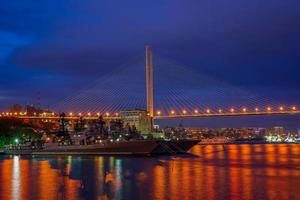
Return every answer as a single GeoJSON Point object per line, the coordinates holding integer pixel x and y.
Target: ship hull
{"type": "Point", "coordinates": [174, 146]}
{"type": "Point", "coordinates": [117, 148]}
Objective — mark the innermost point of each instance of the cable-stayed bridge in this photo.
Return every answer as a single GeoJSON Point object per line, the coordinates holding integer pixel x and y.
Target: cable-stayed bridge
{"type": "Point", "coordinates": [172, 91]}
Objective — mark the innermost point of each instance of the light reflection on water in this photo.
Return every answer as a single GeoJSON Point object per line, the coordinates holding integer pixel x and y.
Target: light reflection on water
{"type": "Point", "coordinates": [237, 172]}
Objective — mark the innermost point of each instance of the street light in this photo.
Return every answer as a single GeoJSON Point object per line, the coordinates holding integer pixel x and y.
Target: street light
{"type": "Point", "coordinates": [208, 110]}
{"type": "Point", "coordinates": [172, 112]}
{"type": "Point", "coordinates": [158, 112]}
{"type": "Point", "coordinates": [196, 111]}
{"type": "Point", "coordinates": [184, 112]}
{"type": "Point", "coordinates": [269, 108]}
{"type": "Point", "coordinates": [281, 108]}
{"type": "Point", "coordinates": [17, 141]}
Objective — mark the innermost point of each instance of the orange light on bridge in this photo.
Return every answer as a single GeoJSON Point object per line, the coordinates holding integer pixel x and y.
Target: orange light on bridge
{"type": "Point", "coordinates": [70, 114]}
{"type": "Point", "coordinates": [117, 114]}
{"type": "Point", "coordinates": [16, 113]}
{"type": "Point", "coordinates": [196, 111]}
{"type": "Point", "coordinates": [220, 110]}
{"type": "Point", "coordinates": [107, 114]}
{"type": "Point", "coordinates": [244, 109]}
{"type": "Point", "coordinates": [232, 110]}
{"type": "Point", "coordinates": [294, 108]}
{"type": "Point", "coordinates": [269, 109]}
{"type": "Point", "coordinates": [256, 109]}
{"type": "Point", "coordinates": [207, 111]}
{"type": "Point", "coordinates": [98, 114]}
{"type": "Point", "coordinates": [158, 112]}
{"type": "Point", "coordinates": [80, 114]}
{"type": "Point", "coordinates": [172, 112]}
{"type": "Point", "coordinates": [281, 108]}
{"type": "Point", "coordinates": [184, 112]}
{"type": "Point", "coordinates": [25, 113]}
{"type": "Point", "coordinates": [89, 114]}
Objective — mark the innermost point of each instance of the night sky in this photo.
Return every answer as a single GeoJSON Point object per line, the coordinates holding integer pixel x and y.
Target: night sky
{"type": "Point", "coordinates": [59, 47]}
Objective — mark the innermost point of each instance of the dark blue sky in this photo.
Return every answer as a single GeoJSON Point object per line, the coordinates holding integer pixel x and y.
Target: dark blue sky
{"type": "Point", "coordinates": [56, 46]}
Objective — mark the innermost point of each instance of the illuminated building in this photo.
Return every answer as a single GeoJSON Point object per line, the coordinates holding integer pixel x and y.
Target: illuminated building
{"type": "Point", "coordinates": [138, 118]}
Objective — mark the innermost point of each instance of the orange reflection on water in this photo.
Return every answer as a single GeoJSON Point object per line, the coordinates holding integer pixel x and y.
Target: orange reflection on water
{"type": "Point", "coordinates": [159, 182]}
{"type": "Point", "coordinates": [6, 178]}
{"type": "Point", "coordinates": [249, 172]}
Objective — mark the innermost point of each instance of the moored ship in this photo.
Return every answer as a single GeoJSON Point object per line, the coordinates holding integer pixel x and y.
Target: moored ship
{"type": "Point", "coordinates": [133, 147]}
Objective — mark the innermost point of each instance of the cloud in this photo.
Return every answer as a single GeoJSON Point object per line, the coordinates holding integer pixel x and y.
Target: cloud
{"type": "Point", "coordinates": [9, 42]}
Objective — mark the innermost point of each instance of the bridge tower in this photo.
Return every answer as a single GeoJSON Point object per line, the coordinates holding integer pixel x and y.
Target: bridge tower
{"type": "Point", "coordinates": [149, 80]}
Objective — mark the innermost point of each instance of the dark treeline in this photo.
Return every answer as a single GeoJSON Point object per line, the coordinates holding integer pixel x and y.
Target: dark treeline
{"type": "Point", "coordinates": [13, 128]}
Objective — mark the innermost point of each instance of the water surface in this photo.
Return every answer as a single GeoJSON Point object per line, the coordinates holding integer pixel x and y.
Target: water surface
{"type": "Point", "coordinates": [237, 172]}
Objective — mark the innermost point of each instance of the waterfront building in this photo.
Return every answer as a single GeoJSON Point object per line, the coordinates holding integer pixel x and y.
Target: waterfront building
{"type": "Point", "coordinates": [277, 130]}
{"type": "Point", "coordinates": [138, 118]}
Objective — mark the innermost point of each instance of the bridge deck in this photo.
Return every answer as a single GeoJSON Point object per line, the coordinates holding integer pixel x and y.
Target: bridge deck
{"type": "Point", "coordinates": [199, 115]}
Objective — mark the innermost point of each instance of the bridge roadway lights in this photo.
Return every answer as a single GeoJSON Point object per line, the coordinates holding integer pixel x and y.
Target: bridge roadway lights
{"type": "Point", "coordinates": [160, 115]}
{"type": "Point", "coordinates": [225, 114]}
{"type": "Point", "coordinates": [68, 117]}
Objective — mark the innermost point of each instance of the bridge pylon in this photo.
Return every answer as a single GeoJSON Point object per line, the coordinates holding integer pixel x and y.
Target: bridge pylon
{"type": "Point", "coordinates": [149, 79]}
